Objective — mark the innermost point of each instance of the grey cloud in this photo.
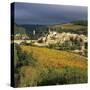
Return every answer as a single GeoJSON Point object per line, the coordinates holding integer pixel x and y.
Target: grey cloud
{"type": "Point", "coordinates": [28, 13]}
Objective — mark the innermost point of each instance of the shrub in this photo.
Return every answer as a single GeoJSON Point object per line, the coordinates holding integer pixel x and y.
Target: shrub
{"type": "Point", "coordinates": [52, 76]}
{"type": "Point", "coordinates": [68, 68]}
{"type": "Point", "coordinates": [21, 58]}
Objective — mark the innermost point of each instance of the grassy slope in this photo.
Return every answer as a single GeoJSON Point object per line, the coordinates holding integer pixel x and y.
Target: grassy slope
{"type": "Point", "coordinates": [53, 67]}
{"type": "Point", "coordinates": [72, 26]}
{"type": "Point", "coordinates": [68, 26]}
{"type": "Point", "coordinates": [54, 58]}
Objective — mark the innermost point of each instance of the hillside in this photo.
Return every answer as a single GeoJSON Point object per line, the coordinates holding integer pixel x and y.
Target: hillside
{"type": "Point", "coordinates": [69, 27]}
{"type": "Point", "coordinates": [43, 66]}
{"type": "Point", "coordinates": [54, 58]}
{"type": "Point", "coordinates": [41, 30]}
{"type": "Point", "coordinates": [80, 22]}
{"type": "Point", "coordinates": [19, 29]}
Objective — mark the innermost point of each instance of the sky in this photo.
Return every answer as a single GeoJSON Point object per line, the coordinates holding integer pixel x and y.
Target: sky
{"type": "Point", "coordinates": [43, 14]}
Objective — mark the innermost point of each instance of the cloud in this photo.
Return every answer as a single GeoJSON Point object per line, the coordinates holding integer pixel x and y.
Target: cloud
{"type": "Point", "coordinates": [28, 13]}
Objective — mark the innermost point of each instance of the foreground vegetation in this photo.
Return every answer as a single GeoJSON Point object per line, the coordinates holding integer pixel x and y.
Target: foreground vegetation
{"type": "Point", "coordinates": [36, 66]}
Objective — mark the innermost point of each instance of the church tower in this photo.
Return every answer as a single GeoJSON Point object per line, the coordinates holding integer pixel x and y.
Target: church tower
{"type": "Point", "coordinates": [34, 32]}
{"type": "Point", "coordinates": [49, 30]}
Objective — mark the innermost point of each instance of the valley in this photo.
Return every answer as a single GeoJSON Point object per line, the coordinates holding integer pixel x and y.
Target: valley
{"type": "Point", "coordinates": [50, 54]}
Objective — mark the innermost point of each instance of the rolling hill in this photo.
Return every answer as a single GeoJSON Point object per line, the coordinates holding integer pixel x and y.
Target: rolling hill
{"type": "Point", "coordinates": [41, 30]}
{"type": "Point", "coordinates": [55, 58]}
{"type": "Point", "coordinates": [52, 67]}
{"type": "Point", "coordinates": [19, 29]}
{"type": "Point", "coordinates": [68, 26]}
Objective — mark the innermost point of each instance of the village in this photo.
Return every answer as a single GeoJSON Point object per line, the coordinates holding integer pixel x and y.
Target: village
{"type": "Point", "coordinates": [63, 41]}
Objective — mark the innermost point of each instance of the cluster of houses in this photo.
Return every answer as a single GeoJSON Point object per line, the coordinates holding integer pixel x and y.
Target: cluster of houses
{"type": "Point", "coordinates": [63, 38]}
{"type": "Point", "coordinates": [19, 36]}
{"type": "Point", "coordinates": [53, 37]}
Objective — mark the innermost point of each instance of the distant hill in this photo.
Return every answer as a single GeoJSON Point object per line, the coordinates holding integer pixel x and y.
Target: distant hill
{"type": "Point", "coordinates": [68, 26]}
{"type": "Point", "coordinates": [19, 29]}
{"type": "Point", "coordinates": [80, 22]}
{"type": "Point", "coordinates": [78, 27]}
{"type": "Point", "coordinates": [40, 30]}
